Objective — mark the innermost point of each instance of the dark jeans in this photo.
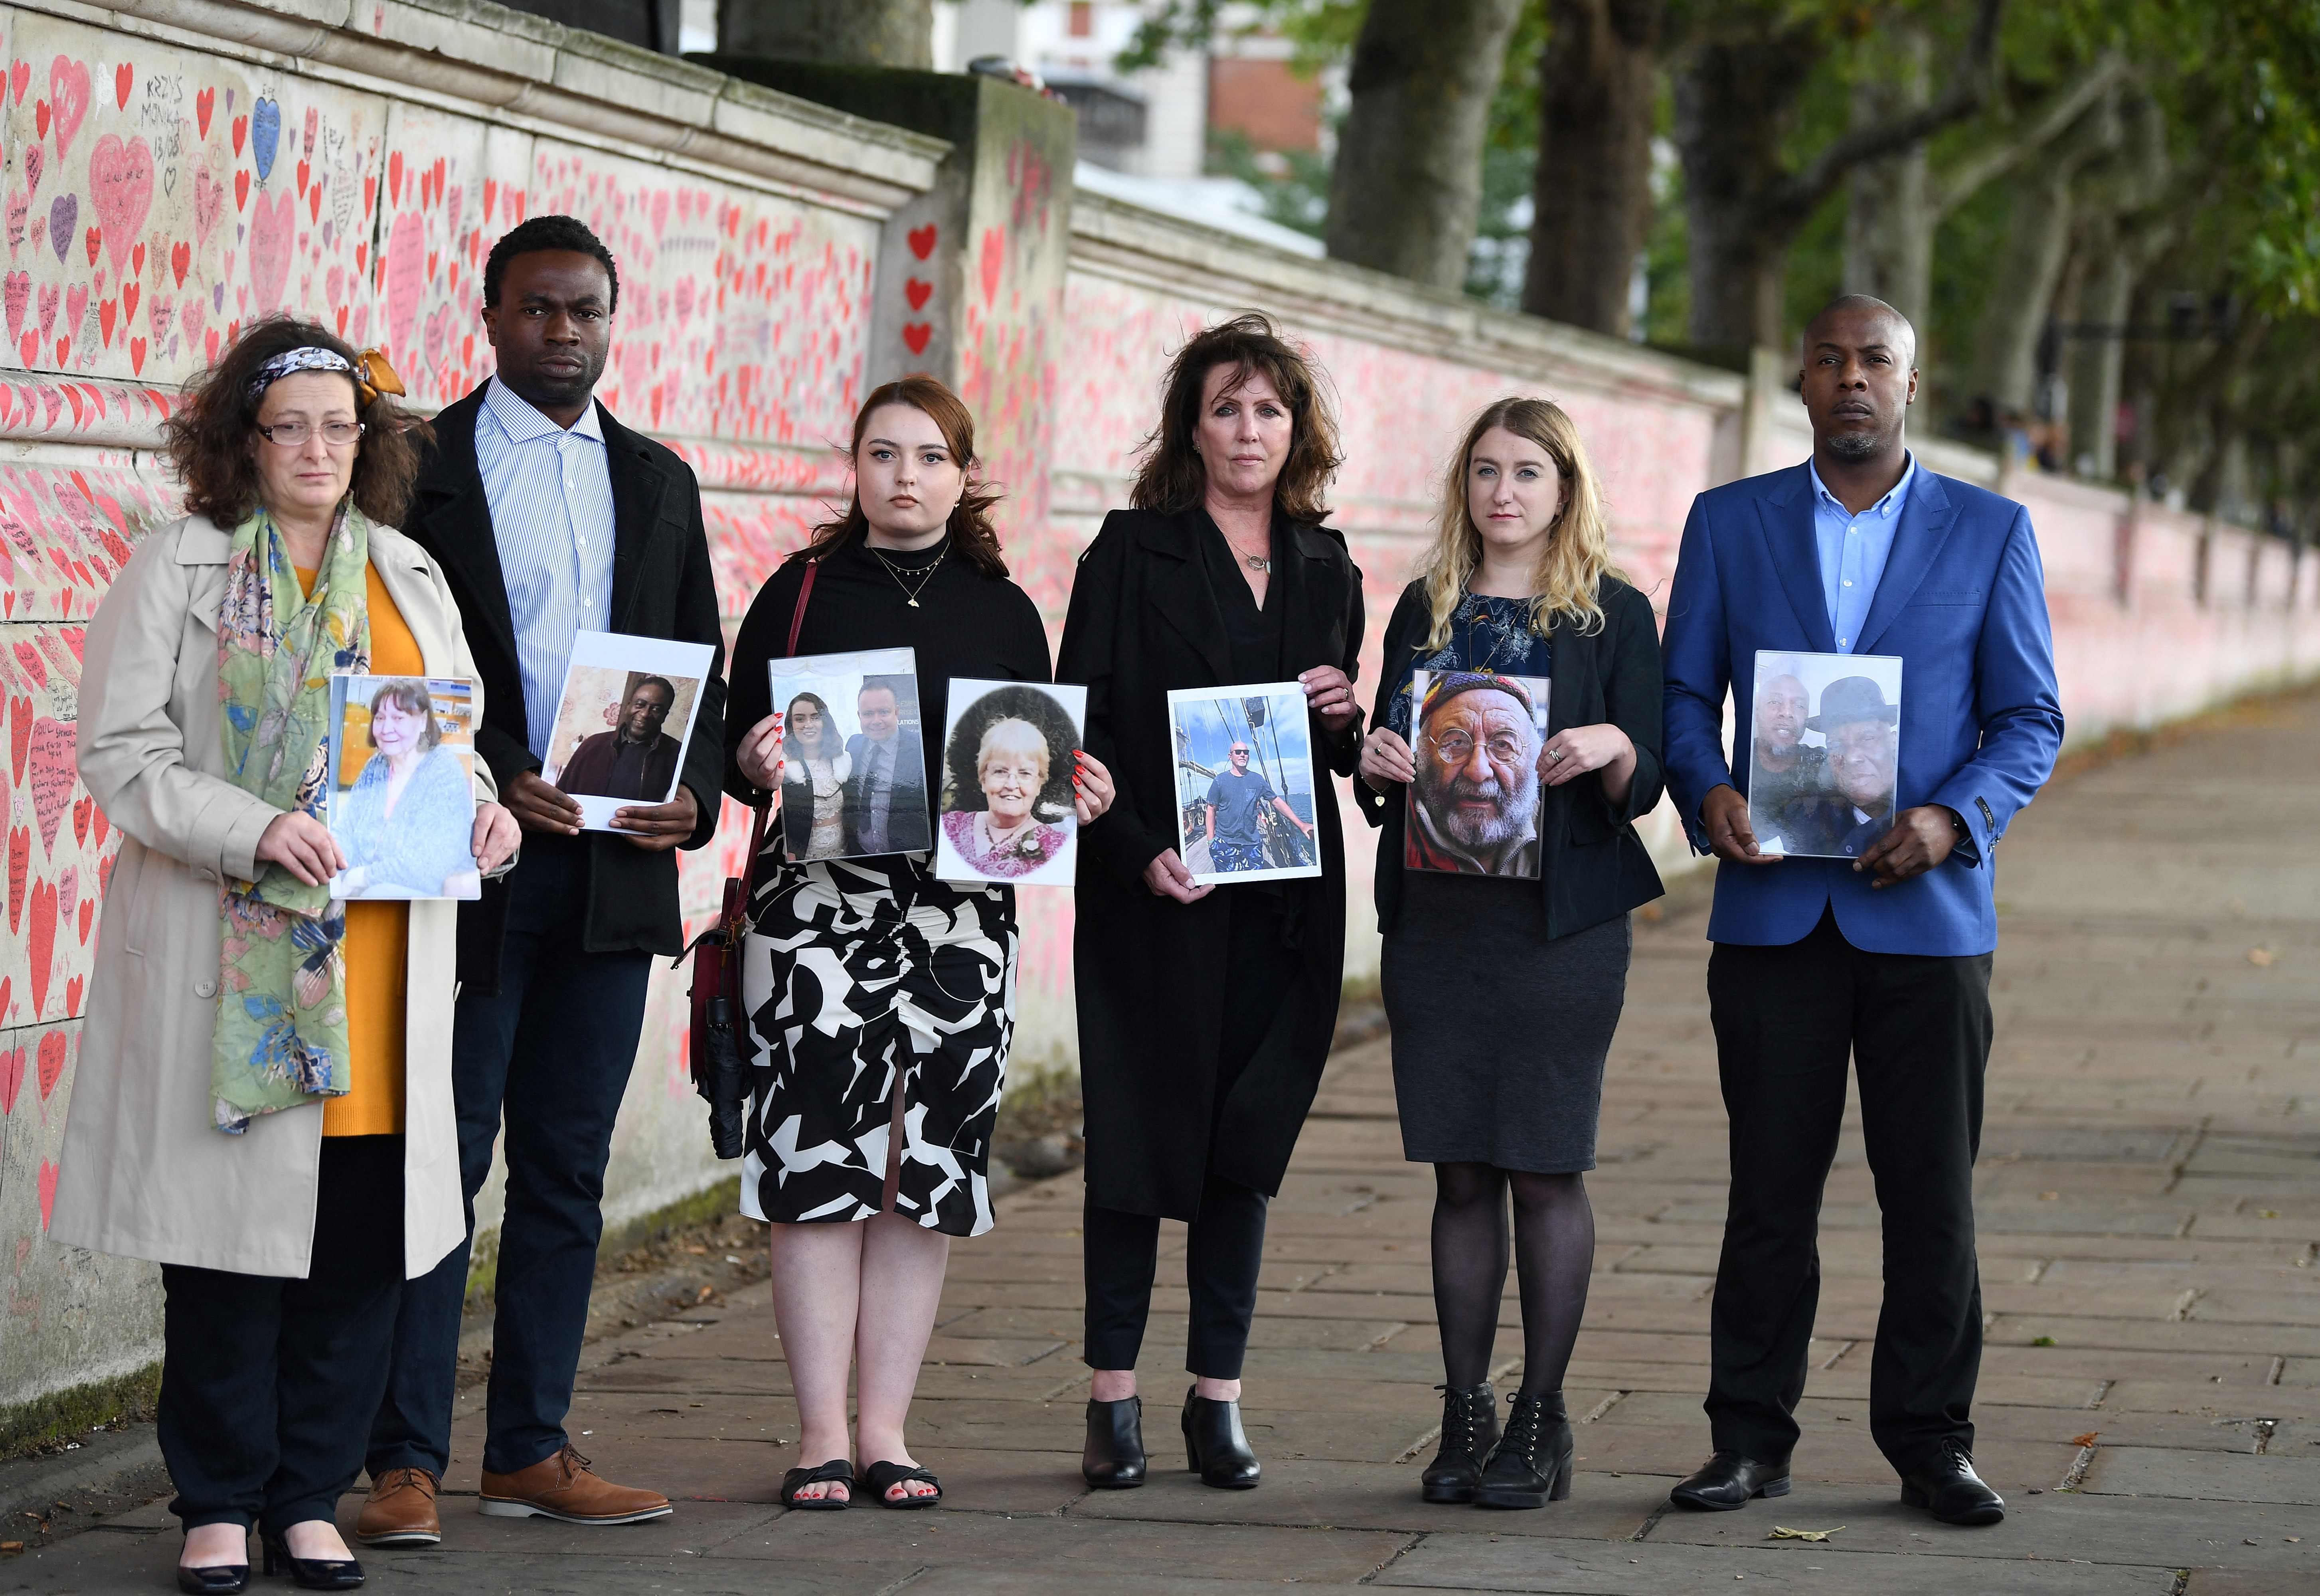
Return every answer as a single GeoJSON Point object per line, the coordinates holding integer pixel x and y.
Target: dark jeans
{"type": "Point", "coordinates": [1919, 1031]}
{"type": "Point", "coordinates": [1123, 1254]}
{"type": "Point", "coordinates": [265, 1380]}
{"type": "Point", "coordinates": [553, 1046]}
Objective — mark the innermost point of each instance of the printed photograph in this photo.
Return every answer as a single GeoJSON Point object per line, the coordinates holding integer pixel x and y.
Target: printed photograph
{"type": "Point", "coordinates": [623, 721]}
{"type": "Point", "coordinates": [1245, 787]}
{"type": "Point", "coordinates": [402, 797]}
{"type": "Point", "coordinates": [854, 757]}
{"type": "Point", "coordinates": [1007, 809]}
{"type": "Point", "coordinates": [1824, 757]}
{"type": "Point", "coordinates": [1477, 738]}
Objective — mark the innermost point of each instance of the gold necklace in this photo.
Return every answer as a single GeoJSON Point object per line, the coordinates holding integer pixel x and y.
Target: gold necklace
{"type": "Point", "coordinates": [924, 576]}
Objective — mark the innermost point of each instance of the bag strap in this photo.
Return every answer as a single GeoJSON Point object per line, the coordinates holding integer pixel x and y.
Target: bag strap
{"type": "Point", "coordinates": [797, 615]}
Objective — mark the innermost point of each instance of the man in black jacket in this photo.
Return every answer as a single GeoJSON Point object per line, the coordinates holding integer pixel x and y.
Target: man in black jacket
{"type": "Point", "coordinates": [550, 518]}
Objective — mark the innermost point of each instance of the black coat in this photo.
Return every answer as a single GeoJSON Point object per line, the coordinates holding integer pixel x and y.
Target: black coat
{"type": "Point", "coordinates": [1593, 865]}
{"type": "Point", "coordinates": [1150, 972]}
{"type": "Point", "coordinates": [662, 587]}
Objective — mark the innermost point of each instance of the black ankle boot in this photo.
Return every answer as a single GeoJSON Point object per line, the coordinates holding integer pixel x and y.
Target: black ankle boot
{"type": "Point", "coordinates": [1114, 1457]}
{"type": "Point", "coordinates": [1531, 1464]}
{"type": "Point", "coordinates": [1215, 1445]}
{"type": "Point", "coordinates": [1470, 1429]}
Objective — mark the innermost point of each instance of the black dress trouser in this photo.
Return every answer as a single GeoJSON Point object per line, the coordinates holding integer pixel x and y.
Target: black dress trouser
{"type": "Point", "coordinates": [269, 1384]}
{"type": "Point", "coordinates": [1919, 1031]}
{"type": "Point", "coordinates": [1225, 1244]}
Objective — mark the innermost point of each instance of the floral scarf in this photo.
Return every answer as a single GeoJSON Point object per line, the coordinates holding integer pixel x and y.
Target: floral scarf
{"type": "Point", "coordinates": [281, 1037]}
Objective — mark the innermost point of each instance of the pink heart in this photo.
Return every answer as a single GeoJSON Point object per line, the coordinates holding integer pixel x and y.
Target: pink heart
{"type": "Point", "coordinates": [209, 204]}
{"type": "Point", "coordinates": [273, 238]}
{"type": "Point", "coordinates": [47, 1192]}
{"type": "Point", "coordinates": [121, 186]}
{"type": "Point", "coordinates": [52, 775]}
{"type": "Point", "coordinates": [12, 1076]}
{"type": "Point", "coordinates": [405, 277]}
{"type": "Point", "coordinates": [69, 98]}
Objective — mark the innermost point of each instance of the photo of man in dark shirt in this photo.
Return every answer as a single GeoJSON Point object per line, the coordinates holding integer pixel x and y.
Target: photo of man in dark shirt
{"type": "Point", "coordinates": [1237, 797]}
{"type": "Point", "coordinates": [635, 758]}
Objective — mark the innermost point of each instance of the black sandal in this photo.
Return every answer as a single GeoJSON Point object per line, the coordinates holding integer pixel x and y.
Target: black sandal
{"type": "Point", "coordinates": [883, 1477]}
{"type": "Point", "coordinates": [837, 1471]}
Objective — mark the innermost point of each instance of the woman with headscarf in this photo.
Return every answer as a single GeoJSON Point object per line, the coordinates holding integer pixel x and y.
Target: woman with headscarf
{"type": "Point", "coordinates": [264, 1102]}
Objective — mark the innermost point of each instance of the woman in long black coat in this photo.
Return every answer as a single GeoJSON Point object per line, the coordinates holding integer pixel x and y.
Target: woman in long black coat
{"type": "Point", "coordinates": [1205, 1014]}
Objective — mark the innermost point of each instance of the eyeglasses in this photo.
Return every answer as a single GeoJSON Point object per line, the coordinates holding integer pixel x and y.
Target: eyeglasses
{"type": "Point", "coordinates": [1456, 747]}
{"type": "Point", "coordinates": [293, 434]}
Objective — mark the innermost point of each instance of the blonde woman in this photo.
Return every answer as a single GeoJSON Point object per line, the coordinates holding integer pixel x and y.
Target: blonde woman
{"type": "Point", "coordinates": [1517, 584]}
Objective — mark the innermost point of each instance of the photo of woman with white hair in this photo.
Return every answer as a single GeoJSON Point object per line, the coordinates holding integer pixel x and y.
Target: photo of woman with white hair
{"type": "Point", "coordinates": [1007, 811]}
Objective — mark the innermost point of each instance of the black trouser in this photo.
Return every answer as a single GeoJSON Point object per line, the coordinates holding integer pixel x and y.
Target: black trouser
{"type": "Point", "coordinates": [1227, 1235]}
{"type": "Point", "coordinates": [1919, 1030]}
{"type": "Point", "coordinates": [268, 1383]}
{"type": "Point", "coordinates": [1226, 1249]}
{"type": "Point", "coordinates": [553, 1046]}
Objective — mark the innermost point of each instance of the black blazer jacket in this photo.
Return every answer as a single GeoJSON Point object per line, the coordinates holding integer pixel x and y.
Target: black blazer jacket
{"type": "Point", "coordinates": [1593, 865]}
{"type": "Point", "coordinates": [662, 587]}
{"type": "Point", "coordinates": [1150, 973]}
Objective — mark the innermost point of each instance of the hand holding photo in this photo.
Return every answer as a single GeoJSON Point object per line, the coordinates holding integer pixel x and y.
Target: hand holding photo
{"type": "Point", "coordinates": [622, 723]}
{"type": "Point", "coordinates": [1007, 801]}
{"type": "Point", "coordinates": [1245, 787]}
{"type": "Point", "coordinates": [402, 804]}
{"type": "Point", "coordinates": [1478, 744]}
{"type": "Point", "coordinates": [1823, 758]}
{"type": "Point", "coordinates": [854, 760]}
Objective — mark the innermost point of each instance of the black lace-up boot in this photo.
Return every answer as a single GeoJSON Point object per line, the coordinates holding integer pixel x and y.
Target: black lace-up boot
{"type": "Point", "coordinates": [1470, 1429]}
{"type": "Point", "coordinates": [1531, 1464]}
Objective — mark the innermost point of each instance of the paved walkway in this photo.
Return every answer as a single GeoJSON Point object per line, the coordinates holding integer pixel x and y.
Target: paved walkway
{"type": "Point", "coordinates": [2150, 1402]}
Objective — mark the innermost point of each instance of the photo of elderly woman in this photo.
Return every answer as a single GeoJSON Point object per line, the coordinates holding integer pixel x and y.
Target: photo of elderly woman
{"type": "Point", "coordinates": [1006, 810]}
{"type": "Point", "coordinates": [813, 780]}
{"type": "Point", "coordinates": [402, 802]}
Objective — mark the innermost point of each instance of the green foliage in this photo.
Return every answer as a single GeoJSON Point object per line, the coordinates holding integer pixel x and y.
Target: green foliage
{"type": "Point", "coordinates": [1294, 183]}
{"type": "Point", "coordinates": [1323, 30]}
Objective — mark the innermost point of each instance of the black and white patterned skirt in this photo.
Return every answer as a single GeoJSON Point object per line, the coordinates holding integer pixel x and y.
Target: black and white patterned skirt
{"type": "Point", "coordinates": [861, 975]}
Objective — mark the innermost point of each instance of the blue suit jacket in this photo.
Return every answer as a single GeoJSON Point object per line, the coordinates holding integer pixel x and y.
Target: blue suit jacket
{"type": "Point", "coordinates": [1962, 602]}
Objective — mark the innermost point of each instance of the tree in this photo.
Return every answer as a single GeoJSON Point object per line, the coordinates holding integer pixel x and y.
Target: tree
{"type": "Point", "coordinates": [862, 32]}
{"type": "Point", "coordinates": [1598, 87]}
{"type": "Point", "coordinates": [1408, 178]}
{"type": "Point", "coordinates": [1737, 86]}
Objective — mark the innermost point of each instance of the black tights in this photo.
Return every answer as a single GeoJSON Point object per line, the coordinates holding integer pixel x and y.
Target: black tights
{"type": "Point", "coordinates": [1554, 1248]}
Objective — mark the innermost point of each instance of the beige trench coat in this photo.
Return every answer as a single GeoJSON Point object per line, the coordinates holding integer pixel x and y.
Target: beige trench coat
{"type": "Point", "coordinates": [143, 1173]}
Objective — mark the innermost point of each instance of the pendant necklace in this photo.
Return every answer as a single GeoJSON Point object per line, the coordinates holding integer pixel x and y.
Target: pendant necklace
{"type": "Point", "coordinates": [924, 576]}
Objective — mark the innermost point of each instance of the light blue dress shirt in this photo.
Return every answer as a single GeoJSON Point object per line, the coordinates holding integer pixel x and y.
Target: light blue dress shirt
{"type": "Point", "coordinates": [1854, 549]}
{"type": "Point", "coordinates": [550, 493]}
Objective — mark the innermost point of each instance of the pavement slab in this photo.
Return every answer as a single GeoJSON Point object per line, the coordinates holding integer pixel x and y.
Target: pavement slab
{"type": "Point", "coordinates": [2148, 1207]}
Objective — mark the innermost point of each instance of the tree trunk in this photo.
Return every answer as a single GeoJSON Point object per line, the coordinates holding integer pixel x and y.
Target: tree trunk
{"type": "Point", "coordinates": [1598, 82]}
{"type": "Point", "coordinates": [1407, 179]}
{"type": "Point", "coordinates": [2022, 279]}
{"type": "Point", "coordinates": [857, 33]}
{"type": "Point", "coordinates": [2119, 247]}
{"type": "Point", "coordinates": [1889, 219]}
{"type": "Point", "coordinates": [1734, 101]}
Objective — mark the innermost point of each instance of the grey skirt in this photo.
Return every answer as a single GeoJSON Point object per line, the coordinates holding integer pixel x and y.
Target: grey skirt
{"type": "Point", "coordinates": [1498, 1033]}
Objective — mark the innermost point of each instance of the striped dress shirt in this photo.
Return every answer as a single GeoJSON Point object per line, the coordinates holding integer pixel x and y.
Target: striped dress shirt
{"type": "Point", "coordinates": [550, 493]}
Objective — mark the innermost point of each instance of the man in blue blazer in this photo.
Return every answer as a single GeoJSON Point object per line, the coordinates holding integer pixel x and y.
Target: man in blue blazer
{"type": "Point", "coordinates": [1885, 957]}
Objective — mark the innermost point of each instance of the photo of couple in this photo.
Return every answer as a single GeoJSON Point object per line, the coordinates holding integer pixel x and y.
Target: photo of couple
{"type": "Point", "coordinates": [1823, 755]}
{"type": "Point", "coordinates": [854, 772]}
{"type": "Point", "coordinates": [402, 804]}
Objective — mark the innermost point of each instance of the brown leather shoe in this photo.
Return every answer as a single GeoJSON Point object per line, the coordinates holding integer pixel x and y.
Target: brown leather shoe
{"type": "Point", "coordinates": [401, 1511]}
{"type": "Point", "coordinates": [561, 1487]}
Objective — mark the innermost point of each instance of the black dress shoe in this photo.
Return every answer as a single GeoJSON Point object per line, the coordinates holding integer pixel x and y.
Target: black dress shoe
{"type": "Point", "coordinates": [1728, 1480]}
{"type": "Point", "coordinates": [315, 1574]}
{"type": "Point", "coordinates": [1470, 1429]}
{"type": "Point", "coordinates": [1531, 1464]}
{"type": "Point", "coordinates": [1114, 1457]}
{"type": "Point", "coordinates": [1947, 1484]}
{"type": "Point", "coordinates": [1215, 1445]}
{"type": "Point", "coordinates": [214, 1579]}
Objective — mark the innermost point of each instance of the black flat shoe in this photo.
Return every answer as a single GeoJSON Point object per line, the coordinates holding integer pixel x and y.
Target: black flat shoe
{"type": "Point", "coordinates": [883, 1477]}
{"type": "Point", "coordinates": [837, 1471]}
{"type": "Point", "coordinates": [1216, 1447]}
{"type": "Point", "coordinates": [1531, 1464]}
{"type": "Point", "coordinates": [1728, 1480]}
{"type": "Point", "coordinates": [1470, 1429]}
{"type": "Point", "coordinates": [1949, 1487]}
{"type": "Point", "coordinates": [214, 1579]}
{"type": "Point", "coordinates": [1114, 1459]}
{"type": "Point", "coordinates": [315, 1574]}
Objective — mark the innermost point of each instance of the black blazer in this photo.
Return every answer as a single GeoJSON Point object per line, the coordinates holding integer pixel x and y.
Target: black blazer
{"type": "Point", "coordinates": [1593, 865]}
{"type": "Point", "coordinates": [662, 587]}
{"type": "Point", "coordinates": [1149, 972]}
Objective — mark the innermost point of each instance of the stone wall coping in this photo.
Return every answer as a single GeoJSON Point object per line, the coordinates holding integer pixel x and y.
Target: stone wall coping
{"type": "Point", "coordinates": [1118, 239]}
{"type": "Point", "coordinates": [525, 66]}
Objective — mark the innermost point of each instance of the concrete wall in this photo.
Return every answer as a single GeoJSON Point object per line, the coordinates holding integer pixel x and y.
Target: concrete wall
{"type": "Point", "coordinates": [172, 169]}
